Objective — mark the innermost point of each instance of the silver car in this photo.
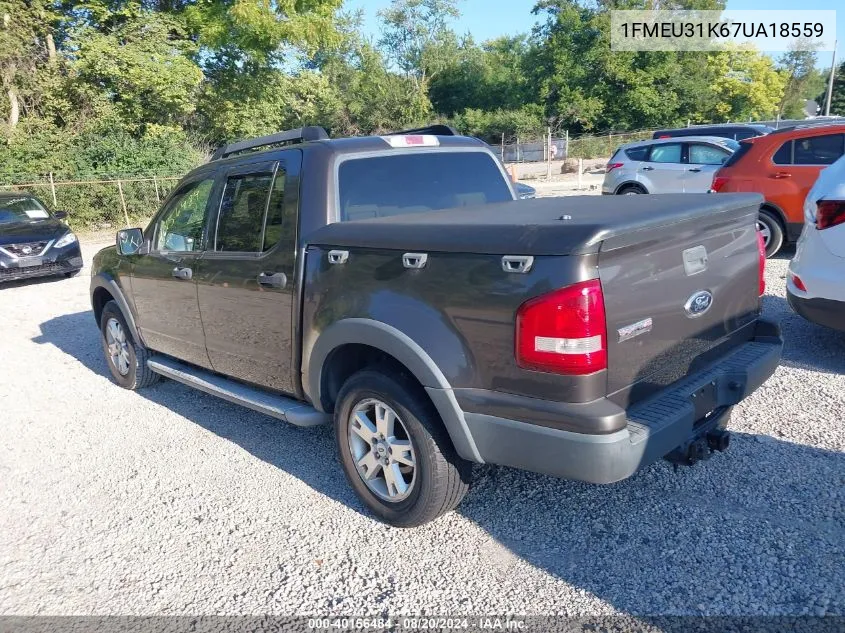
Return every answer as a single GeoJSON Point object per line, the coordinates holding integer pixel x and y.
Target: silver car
{"type": "Point", "coordinates": [676, 165]}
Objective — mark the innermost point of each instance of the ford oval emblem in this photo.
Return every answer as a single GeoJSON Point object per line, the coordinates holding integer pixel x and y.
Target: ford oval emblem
{"type": "Point", "coordinates": [698, 303]}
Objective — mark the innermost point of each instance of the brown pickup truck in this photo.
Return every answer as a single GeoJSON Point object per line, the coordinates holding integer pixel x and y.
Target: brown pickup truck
{"type": "Point", "coordinates": [395, 287]}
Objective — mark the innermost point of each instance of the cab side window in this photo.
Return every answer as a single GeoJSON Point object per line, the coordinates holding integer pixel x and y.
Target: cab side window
{"type": "Point", "coordinates": [242, 210]}
{"type": "Point", "coordinates": [275, 227]}
{"type": "Point", "coordinates": [180, 228]}
{"type": "Point", "coordinates": [251, 212]}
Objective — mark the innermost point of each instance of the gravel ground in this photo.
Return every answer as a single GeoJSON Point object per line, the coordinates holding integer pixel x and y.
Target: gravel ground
{"type": "Point", "coordinates": [170, 501]}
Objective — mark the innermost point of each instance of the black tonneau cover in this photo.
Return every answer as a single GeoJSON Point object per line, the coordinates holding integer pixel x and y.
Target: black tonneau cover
{"type": "Point", "coordinates": [547, 226]}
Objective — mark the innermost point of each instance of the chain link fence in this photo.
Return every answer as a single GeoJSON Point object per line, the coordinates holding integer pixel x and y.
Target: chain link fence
{"type": "Point", "coordinates": [554, 148]}
{"type": "Point", "coordinates": [99, 203]}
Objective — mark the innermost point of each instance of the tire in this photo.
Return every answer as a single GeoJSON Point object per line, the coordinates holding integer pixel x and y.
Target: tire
{"type": "Point", "coordinates": [439, 478]}
{"type": "Point", "coordinates": [137, 374]}
{"type": "Point", "coordinates": [772, 231]}
{"type": "Point", "coordinates": [630, 190]}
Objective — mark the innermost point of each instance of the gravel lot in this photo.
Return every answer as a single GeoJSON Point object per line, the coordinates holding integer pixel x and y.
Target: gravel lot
{"type": "Point", "coordinates": [170, 501]}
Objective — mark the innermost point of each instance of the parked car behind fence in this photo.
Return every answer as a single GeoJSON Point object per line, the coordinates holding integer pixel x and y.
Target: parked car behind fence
{"type": "Point", "coordinates": [666, 165]}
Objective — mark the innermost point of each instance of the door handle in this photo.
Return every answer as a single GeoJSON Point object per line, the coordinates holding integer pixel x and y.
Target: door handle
{"type": "Point", "coordinates": [273, 280]}
{"type": "Point", "coordinates": [781, 174]}
{"type": "Point", "coordinates": [182, 273]}
{"type": "Point", "coordinates": [696, 169]}
{"type": "Point", "coordinates": [647, 168]}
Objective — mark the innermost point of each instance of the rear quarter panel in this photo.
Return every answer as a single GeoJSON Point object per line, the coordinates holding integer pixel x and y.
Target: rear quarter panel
{"type": "Point", "coordinates": [460, 309]}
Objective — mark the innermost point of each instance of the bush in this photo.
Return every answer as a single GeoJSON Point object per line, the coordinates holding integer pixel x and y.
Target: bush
{"type": "Point", "coordinates": [103, 151]}
{"type": "Point", "coordinates": [526, 122]}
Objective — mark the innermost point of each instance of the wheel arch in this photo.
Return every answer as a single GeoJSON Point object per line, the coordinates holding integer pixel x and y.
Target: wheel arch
{"type": "Point", "coordinates": [780, 216]}
{"type": "Point", "coordinates": [352, 344]}
{"type": "Point", "coordinates": [630, 183]}
{"type": "Point", "coordinates": [104, 288]}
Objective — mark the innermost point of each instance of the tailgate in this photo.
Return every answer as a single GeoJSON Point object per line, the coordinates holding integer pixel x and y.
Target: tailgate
{"type": "Point", "coordinates": [677, 297]}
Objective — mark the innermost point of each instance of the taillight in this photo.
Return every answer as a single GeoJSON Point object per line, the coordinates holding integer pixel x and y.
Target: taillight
{"type": "Point", "coordinates": [829, 213]}
{"type": "Point", "coordinates": [797, 281]}
{"type": "Point", "coordinates": [761, 257]}
{"type": "Point", "coordinates": [564, 331]}
{"type": "Point", "coordinates": [612, 166]}
{"type": "Point", "coordinates": [718, 183]}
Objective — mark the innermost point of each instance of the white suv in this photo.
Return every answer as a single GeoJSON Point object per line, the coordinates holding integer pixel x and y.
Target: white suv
{"type": "Point", "coordinates": [815, 287]}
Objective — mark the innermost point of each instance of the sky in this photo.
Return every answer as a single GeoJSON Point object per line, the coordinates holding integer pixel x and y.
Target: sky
{"type": "Point", "coordinates": [486, 19]}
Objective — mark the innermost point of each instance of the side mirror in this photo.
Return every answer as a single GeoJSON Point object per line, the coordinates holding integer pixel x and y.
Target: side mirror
{"type": "Point", "coordinates": [130, 241]}
{"type": "Point", "coordinates": [60, 215]}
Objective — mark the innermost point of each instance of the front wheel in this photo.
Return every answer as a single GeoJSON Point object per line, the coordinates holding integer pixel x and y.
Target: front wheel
{"type": "Point", "coordinates": [127, 359]}
{"type": "Point", "coordinates": [395, 452]}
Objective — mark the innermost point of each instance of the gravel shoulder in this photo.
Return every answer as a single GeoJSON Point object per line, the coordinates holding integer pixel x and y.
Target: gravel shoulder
{"type": "Point", "coordinates": [169, 501]}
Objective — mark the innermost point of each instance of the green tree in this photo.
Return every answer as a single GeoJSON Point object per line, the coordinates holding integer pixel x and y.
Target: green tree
{"type": "Point", "coordinates": [837, 102]}
{"type": "Point", "coordinates": [487, 77]}
{"type": "Point", "coordinates": [803, 82]}
{"type": "Point", "coordinates": [265, 101]}
{"type": "Point", "coordinates": [27, 45]}
{"type": "Point", "coordinates": [372, 98]}
{"type": "Point", "coordinates": [412, 30]}
{"type": "Point", "coordinates": [144, 66]}
{"type": "Point", "coordinates": [747, 85]}
{"type": "Point", "coordinates": [249, 33]}
{"type": "Point", "coordinates": [586, 86]}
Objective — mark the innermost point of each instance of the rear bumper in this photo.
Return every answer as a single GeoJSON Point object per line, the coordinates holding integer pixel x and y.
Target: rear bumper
{"type": "Point", "coordinates": [826, 312]}
{"type": "Point", "coordinates": [55, 262]}
{"type": "Point", "coordinates": [654, 427]}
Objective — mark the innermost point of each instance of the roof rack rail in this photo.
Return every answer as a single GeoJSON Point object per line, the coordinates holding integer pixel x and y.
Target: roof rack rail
{"type": "Point", "coordinates": [436, 130]}
{"type": "Point", "coordinates": [808, 125]}
{"type": "Point", "coordinates": [300, 135]}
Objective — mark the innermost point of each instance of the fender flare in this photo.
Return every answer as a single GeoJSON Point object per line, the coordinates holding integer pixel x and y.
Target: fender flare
{"type": "Point", "coordinates": [404, 349]}
{"type": "Point", "coordinates": [108, 283]}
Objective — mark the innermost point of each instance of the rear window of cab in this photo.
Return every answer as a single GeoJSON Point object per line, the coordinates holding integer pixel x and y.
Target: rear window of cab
{"type": "Point", "coordinates": [415, 182]}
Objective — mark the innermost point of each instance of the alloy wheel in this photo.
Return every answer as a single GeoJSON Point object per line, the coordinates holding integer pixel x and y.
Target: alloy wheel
{"type": "Point", "coordinates": [766, 232]}
{"type": "Point", "coordinates": [118, 346]}
{"type": "Point", "coordinates": [382, 450]}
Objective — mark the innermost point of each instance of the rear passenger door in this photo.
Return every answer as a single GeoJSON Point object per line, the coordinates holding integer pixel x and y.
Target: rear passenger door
{"type": "Point", "coordinates": [703, 160]}
{"type": "Point", "coordinates": [246, 279]}
{"type": "Point", "coordinates": [664, 170]}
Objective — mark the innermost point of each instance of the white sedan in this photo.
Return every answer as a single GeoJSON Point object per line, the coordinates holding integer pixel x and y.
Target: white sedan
{"type": "Point", "coordinates": [815, 287]}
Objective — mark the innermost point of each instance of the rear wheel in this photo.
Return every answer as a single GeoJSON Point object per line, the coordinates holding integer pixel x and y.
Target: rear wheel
{"type": "Point", "coordinates": [395, 452]}
{"type": "Point", "coordinates": [127, 359]}
{"type": "Point", "coordinates": [772, 231]}
{"type": "Point", "coordinates": [630, 190]}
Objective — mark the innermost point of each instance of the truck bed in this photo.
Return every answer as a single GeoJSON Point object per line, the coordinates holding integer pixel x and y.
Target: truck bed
{"type": "Point", "coordinates": [547, 226]}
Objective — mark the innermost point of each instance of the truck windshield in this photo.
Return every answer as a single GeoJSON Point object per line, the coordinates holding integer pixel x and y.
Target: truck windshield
{"type": "Point", "coordinates": [380, 186]}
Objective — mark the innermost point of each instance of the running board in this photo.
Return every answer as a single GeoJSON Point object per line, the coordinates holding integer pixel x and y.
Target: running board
{"type": "Point", "coordinates": [280, 407]}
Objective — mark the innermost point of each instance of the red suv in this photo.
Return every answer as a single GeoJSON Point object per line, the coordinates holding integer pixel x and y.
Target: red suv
{"type": "Point", "coordinates": [782, 166]}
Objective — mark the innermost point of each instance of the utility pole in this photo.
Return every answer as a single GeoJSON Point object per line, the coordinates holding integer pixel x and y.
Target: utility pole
{"type": "Point", "coordinates": [830, 83]}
